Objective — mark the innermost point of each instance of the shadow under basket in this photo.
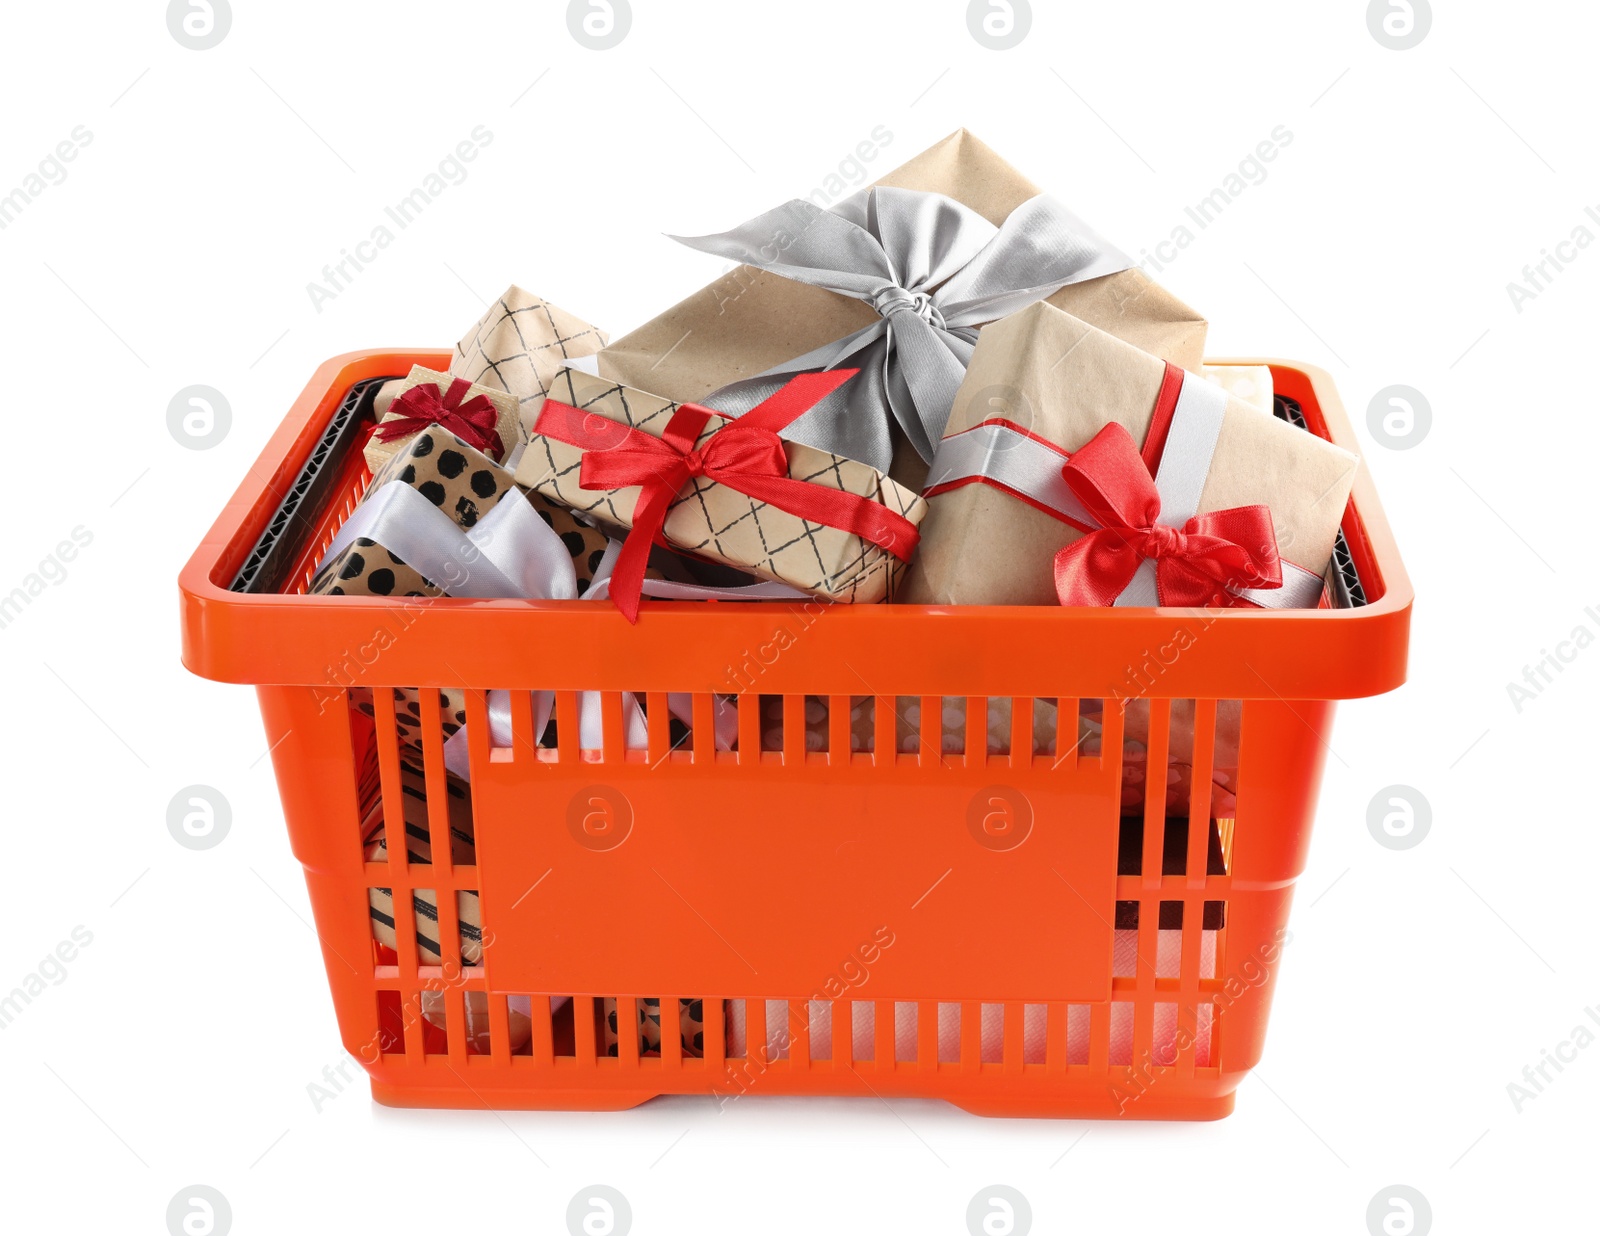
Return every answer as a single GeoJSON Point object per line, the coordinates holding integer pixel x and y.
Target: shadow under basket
{"type": "Point", "coordinates": [1033, 861]}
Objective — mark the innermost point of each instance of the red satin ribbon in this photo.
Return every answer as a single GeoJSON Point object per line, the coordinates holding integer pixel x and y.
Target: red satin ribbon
{"type": "Point", "coordinates": [1195, 564]}
{"type": "Point", "coordinates": [474, 421]}
{"type": "Point", "coordinates": [745, 454]}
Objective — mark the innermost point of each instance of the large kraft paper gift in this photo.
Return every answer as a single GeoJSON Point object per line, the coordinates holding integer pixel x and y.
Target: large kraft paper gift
{"type": "Point", "coordinates": [724, 489]}
{"type": "Point", "coordinates": [516, 346]}
{"type": "Point", "coordinates": [996, 532]}
{"type": "Point", "coordinates": [1001, 507]}
{"type": "Point", "coordinates": [902, 279]}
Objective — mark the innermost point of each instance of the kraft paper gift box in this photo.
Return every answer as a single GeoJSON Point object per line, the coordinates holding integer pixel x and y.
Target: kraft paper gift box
{"type": "Point", "coordinates": [1250, 383]}
{"type": "Point", "coordinates": [419, 849]}
{"type": "Point", "coordinates": [424, 905]}
{"type": "Point", "coordinates": [752, 320]}
{"type": "Point", "coordinates": [516, 347]}
{"type": "Point", "coordinates": [713, 520]}
{"type": "Point", "coordinates": [1065, 382]}
{"type": "Point", "coordinates": [480, 415]}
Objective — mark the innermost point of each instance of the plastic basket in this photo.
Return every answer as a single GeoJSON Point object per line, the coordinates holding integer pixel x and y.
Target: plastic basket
{"type": "Point", "coordinates": [947, 924]}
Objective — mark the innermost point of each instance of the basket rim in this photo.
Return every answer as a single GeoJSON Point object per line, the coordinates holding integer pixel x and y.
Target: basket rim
{"type": "Point", "coordinates": [279, 639]}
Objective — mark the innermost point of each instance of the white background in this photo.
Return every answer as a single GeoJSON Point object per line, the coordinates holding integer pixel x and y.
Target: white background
{"type": "Point", "coordinates": [179, 1046]}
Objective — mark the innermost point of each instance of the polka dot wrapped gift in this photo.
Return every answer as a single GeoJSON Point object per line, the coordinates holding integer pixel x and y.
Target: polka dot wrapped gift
{"type": "Point", "coordinates": [466, 486]}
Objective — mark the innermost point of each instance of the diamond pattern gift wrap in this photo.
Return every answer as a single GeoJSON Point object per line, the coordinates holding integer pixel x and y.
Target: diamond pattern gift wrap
{"type": "Point", "coordinates": [716, 521]}
{"type": "Point", "coordinates": [517, 346]}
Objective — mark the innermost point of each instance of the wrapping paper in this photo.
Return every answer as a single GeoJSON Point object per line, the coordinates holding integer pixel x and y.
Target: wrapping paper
{"type": "Point", "coordinates": [1047, 739]}
{"type": "Point", "coordinates": [419, 849]}
{"type": "Point", "coordinates": [1251, 384]}
{"type": "Point", "coordinates": [467, 486]}
{"type": "Point", "coordinates": [751, 320]}
{"type": "Point", "coordinates": [516, 346]}
{"type": "Point", "coordinates": [1072, 381]}
{"type": "Point", "coordinates": [717, 522]}
{"type": "Point", "coordinates": [507, 425]}
{"type": "Point", "coordinates": [908, 724]}
{"type": "Point", "coordinates": [463, 483]}
{"type": "Point", "coordinates": [647, 1011]}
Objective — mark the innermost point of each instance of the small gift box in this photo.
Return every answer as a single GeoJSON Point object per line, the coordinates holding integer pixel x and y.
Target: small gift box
{"type": "Point", "coordinates": [445, 477]}
{"type": "Point", "coordinates": [1100, 475]}
{"type": "Point", "coordinates": [895, 281]}
{"type": "Point", "coordinates": [449, 480]}
{"type": "Point", "coordinates": [413, 536]}
{"type": "Point", "coordinates": [516, 347]}
{"type": "Point", "coordinates": [419, 850]}
{"type": "Point", "coordinates": [724, 489]}
{"type": "Point", "coordinates": [485, 419]}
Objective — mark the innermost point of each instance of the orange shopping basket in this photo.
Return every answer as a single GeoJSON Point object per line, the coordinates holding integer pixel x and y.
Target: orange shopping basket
{"type": "Point", "coordinates": [974, 915]}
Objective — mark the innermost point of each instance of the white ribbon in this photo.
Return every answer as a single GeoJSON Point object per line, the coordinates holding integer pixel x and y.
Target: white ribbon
{"type": "Point", "coordinates": [999, 452]}
{"type": "Point", "coordinates": [511, 553]}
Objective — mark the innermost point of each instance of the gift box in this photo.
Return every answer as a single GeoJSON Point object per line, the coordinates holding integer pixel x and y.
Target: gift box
{"type": "Point", "coordinates": [721, 489]}
{"type": "Point", "coordinates": [1109, 477]}
{"type": "Point", "coordinates": [516, 347]}
{"type": "Point", "coordinates": [463, 852]}
{"type": "Point", "coordinates": [450, 489]}
{"type": "Point", "coordinates": [485, 419]}
{"type": "Point", "coordinates": [647, 1016]}
{"type": "Point", "coordinates": [895, 281]}
{"type": "Point", "coordinates": [463, 485]}
{"type": "Point", "coordinates": [460, 482]}
{"type": "Point", "coordinates": [1251, 384]}
{"type": "Point", "coordinates": [419, 850]}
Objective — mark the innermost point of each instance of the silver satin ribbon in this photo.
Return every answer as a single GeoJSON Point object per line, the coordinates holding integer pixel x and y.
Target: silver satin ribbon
{"type": "Point", "coordinates": [506, 555]}
{"type": "Point", "coordinates": [934, 270]}
{"type": "Point", "coordinates": [999, 452]}
{"type": "Point", "coordinates": [511, 553]}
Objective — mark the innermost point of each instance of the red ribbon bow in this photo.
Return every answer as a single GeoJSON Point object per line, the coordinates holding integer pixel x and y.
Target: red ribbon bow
{"type": "Point", "coordinates": [744, 454]}
{"type": "Point", "coordinates": [474, 421]}
{"type": "Point", "coordinates": [1195, 564]}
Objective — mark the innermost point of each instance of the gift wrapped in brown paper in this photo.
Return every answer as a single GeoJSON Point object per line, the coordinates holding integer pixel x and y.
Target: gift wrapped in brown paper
{"type": "Point", "coordinates": [419, 850]}
{"type": "Point", "coordinates": [894, 281]}
{"type": "Point", "coordinates": [516, 347]}
{"type": "Point", "coordinates": [1009, 490]}
{"type": "Point", "coordinates": [483, 418]}
{"type": "Point", "coordinates": [724, 489]}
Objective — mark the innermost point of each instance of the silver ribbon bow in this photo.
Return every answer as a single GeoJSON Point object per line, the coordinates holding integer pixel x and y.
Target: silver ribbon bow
{"type": "Point", "coordinates": [934, 270]}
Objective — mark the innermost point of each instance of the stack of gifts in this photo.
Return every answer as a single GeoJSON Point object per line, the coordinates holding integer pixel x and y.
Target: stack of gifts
{"type": "Point", "coordinates": [947, 389]}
